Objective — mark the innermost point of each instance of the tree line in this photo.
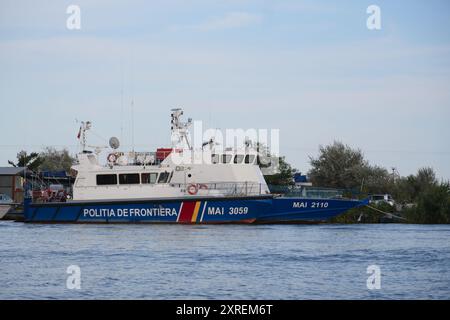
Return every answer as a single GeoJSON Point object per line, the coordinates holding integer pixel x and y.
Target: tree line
{"type": "Point", "coordinates": [421, 197]}
{"type": "Point", "coordinates": [49, 159]}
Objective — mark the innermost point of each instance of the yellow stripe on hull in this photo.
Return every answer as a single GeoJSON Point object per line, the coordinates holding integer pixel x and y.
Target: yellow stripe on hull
{"type": "Point", "coordinates": [196, 210]}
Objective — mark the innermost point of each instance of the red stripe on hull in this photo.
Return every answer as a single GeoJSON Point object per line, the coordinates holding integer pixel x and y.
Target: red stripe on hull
{"type": "Point", "coordinates": [186, 212]}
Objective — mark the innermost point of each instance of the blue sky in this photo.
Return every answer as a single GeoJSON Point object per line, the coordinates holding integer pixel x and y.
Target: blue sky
{"type": "Point", "coordinates": [310, 68]}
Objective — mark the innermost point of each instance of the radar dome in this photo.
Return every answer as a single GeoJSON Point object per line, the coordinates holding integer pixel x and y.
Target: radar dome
{"type": "Point", "coordinates": [114, 142]}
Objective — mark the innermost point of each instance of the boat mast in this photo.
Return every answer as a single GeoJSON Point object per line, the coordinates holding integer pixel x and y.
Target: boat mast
{"type": "Point", "coordinates": [85, 126]}
{"type": "Point", "coordinates": [180, 130]}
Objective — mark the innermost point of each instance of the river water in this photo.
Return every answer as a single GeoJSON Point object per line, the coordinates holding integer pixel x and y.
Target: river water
{"type": "Point", "coordinates": [224, 261]}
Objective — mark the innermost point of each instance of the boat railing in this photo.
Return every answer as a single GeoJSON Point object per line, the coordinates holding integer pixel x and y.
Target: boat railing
{"type": "Point", "coordinates": [315, 192]}
{"type": "Point", "coordinates": [238, 189]}
{"type": "Point", "coordinates": [212, 189]}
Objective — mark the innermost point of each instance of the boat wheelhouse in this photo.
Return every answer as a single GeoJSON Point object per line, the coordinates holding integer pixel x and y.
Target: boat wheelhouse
{"type": "Point", "coordinates": [181, 171]}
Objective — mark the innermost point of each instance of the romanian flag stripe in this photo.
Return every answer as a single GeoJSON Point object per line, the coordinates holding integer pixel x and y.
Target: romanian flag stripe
{"type": "Point", "coordinates": [186, 211]}
{"type": "Point", "coordinates": [196, 209]}
{"type": "Point", "coordinates": [189, 211]}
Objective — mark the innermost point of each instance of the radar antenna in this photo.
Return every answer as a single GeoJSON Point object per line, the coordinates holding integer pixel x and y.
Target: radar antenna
{"type": "Point", "coordinates": [180, 130]}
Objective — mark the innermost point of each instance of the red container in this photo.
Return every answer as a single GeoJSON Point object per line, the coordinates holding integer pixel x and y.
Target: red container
{"type": "Point", "coordinates": [162, 153]}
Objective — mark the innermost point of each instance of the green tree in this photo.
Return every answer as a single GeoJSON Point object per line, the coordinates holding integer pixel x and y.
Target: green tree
{"type": "Point", "coordinates": [433, 205]}
{"type": "Point", "coordinates": [408, 189]}
{"type": "Point", "coordinates": [285, 176]}
{"type": "Point", "coordinates": [376, 180]}
{"type": "Point", "coordinates": [338, 166]}
{"type": "Point", "coordinates": [54, 160]}
{"type": "Point", "coordinates": [32, 161]}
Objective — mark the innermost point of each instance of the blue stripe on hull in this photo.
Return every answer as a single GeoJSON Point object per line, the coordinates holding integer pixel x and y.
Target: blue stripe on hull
{"type": "Point", "coordinates": [208, 211]}
{"type": "Point", "coordinates": [202, 211]}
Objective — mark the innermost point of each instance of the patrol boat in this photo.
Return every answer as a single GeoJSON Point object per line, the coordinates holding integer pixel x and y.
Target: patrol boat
{"type": "Point", "coordinates": [178, 185]}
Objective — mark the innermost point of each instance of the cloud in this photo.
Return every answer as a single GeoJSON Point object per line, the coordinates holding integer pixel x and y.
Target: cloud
{"type": "Point", "coordinates": [231, 20]}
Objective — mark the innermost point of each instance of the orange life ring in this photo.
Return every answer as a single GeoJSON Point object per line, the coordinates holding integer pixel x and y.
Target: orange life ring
{"type": "Point", "coordinates": [192, 189]}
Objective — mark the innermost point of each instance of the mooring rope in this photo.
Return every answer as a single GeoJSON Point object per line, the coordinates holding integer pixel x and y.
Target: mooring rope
{"type": "Point", "coordinates": [387, 213]}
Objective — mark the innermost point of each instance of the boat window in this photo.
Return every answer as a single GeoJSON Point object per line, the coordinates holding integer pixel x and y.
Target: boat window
{"type": "Point", "coordinates": [163, 177]}
{"type": "Point", "coordinates": [215, 158]}
{"type": "Point", "coordinates": [147, 178]}
{"type": "Point", "coordinates": [226, 158]}
{"type": "Point", "coordinates": [106, 179]}
{"type": "Point", "coordinates": [238, 158]}
{"type": "Point", "coordinates": [249, 158]}
{"type": "Point", "coordinates": [129, 178]}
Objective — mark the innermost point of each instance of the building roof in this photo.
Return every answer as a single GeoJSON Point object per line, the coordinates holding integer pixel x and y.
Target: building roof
{"type": "Point", "coordinates": [54, 174]}
{"type": "Point", "coordinates": [11, 171]}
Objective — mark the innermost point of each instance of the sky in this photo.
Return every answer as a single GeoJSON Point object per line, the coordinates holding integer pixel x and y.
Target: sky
{"type": "Point", "coordinates": [311, 69]}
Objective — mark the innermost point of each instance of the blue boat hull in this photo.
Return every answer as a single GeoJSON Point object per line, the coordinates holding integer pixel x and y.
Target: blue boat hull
{"type": "Point", "coordinates": [307, 210]}
{"type": "Point", "coordinates": [196, 210]}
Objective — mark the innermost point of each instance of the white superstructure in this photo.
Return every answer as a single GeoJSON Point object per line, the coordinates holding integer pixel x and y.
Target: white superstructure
{"type": "Point", "coordinates": [184, 172]}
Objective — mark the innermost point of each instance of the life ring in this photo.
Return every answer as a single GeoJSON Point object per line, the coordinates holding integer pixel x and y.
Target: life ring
{"type": "Point", "coordinates": [112, 157]}
{"type": "Point", "coordinates": [192, 189]}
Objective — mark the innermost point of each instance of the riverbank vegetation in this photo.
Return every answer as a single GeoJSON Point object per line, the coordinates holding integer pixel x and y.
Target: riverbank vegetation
{"type": "Point", "coordinates": [49, 159]}
{"type": "Point", "coordinates": [420, 198]}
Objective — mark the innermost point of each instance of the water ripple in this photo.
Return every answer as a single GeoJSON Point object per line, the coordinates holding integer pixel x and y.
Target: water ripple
{"type": "Point", "coordinates": [224, 262]}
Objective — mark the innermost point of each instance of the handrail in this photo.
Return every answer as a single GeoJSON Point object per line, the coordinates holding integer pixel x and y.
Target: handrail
{"type": "Point", "coordinates": [215, 189]}
{"type": "Point", "coordinates": [223, 188]}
